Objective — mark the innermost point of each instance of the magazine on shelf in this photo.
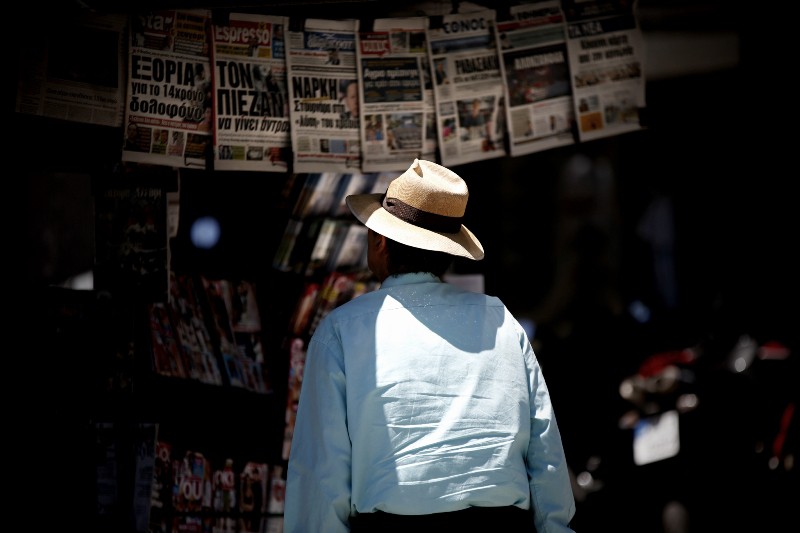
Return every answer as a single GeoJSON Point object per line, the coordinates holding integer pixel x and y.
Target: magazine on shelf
{"type": "Point", "coordinates": [324, 245]}
{"type": "Point", "coordinates": [243, 306]}
{"type": "Point", "coordinates": [283, 255]}
{"type": "Point", "coordinates": [224, 503]}
{"type": "Point", "coordinates": [165, 348]}
{"type": "Point", "coordinates": [244, 310]}
{"type": "Point", "coordinates": [301, 253]}
{"type": "Point", "coordinates": [193, 482]}
{"type": "Point", "coordinates": [277, 490]}
{"type": "Point", "coordinates": [336, 289]}
{"type": "Point", "coordinates": [304, 308]}
{"type": "Point", "coordinates": [321, 197]}
{"type": "Point", "coordinates": [253, 494]}
{"type": "Point", "coordinates": [145, 439]}
{"type": "Point", "coordinates": [307, 187]}
{"type": "Point", "coordinates": [297, 361]}
{"type": "Point", "coordinates": [192, 330]}
{"type": "Point", "coordinates": [161, 490]}
{"type": "Point", "coordinates": [131, 256]}
{"type": "Point", "coordinates": [215, 291]}
{"type": "Point", "coordinates": [274, 524]}
{"type": "Point", "coordinates": [355, 183]}
{"type": "Point", "coordinates": [233, 370]}
{"type": "Point", "coordinates": [191, 523]}
{"type": "Point", "coordinates": [349, 251]}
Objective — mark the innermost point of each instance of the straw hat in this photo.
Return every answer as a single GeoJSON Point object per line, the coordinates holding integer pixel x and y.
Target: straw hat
{"type": "Point", "coordinates": [423, 208]}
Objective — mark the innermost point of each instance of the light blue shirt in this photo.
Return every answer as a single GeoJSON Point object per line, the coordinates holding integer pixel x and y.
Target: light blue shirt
{"type": "Point", "coordinates": [421, 397]}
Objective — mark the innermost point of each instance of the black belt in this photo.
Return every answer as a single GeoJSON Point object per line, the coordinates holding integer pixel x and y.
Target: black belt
{"type": "Point", "coordinates": [477, 519]}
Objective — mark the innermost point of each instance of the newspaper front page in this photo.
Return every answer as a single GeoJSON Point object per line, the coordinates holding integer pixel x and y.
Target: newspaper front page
{"type": "Point", "coordinates": [535, 67]}
{"type": "Point", "coordinates": [398, 123]}
{"type": "Point", "coordinates": [251, 110]}
{"type": "Point", "coordinates": [323, 96]}
{"type": "Point", "coordinates": [605, 53]}
{"type": "Point", "coordinates": [468, 87]}
{"type": "Point", "coordinates": [169, 100]}
{"type": "Point", "coordinates": [75, 72]}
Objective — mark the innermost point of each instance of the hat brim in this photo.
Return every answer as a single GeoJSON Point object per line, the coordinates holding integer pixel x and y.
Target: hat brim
{"type": "Point", "coordinates": [368, 210]}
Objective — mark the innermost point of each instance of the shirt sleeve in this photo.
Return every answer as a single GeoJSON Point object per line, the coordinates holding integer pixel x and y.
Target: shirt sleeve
{"type": "Point", "coordinates": [548, 474]}
{"type": "Point", "coordinates": [318, 482]}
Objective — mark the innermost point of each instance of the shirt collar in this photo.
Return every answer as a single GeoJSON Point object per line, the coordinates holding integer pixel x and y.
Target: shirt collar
{"type": "Point", "coordinates": [407, 279]}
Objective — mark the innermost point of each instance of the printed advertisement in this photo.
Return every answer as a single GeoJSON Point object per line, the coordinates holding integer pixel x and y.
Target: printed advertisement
{"type": "Point", "coordinates": [323, 92]}
{"type": "Point", "coordinates": [169, 102]}
{"type": "Point", "coordinates": [605, 54]}
{"type": "Point", "coordinates": [251, 110]}
{"type": "Point", "coordinates": [468, 88]}
{"type": "Point", "coordinates": [396, 94]}
{"type": "Point", "coordinates": [535, 67]}
{"type": "Point", "coordinates": [75, 72]}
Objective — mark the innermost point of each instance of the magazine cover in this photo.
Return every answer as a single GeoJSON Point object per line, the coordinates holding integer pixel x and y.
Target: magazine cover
{"type": "Point", "coordinates": [216, 294]}
{"type": "Point", "coordinates": [225, 504]}
{"type": "Point", "coordinates": [165, 347]}
{"type": "Point", "coordinates": [242, 351]}
{"type": "Point", "coordinates": [243, 308]}
{"type": "Point", "coordinates": [277, 490]}
{"type": "Point", "coordinates": [193, 483]}
{"type": "Point", "coordinates": [297, 361]}
{"type": "Point", "coordinates": [131, 255]}
{"type": "Point", "coordinates": [161, 493]}
{"type": "Point", "coordinates": [253, 496]}
{"type": "Point", "coordinates": [192, 332]}
{"type": "Point", "coordinates": [304, 308]}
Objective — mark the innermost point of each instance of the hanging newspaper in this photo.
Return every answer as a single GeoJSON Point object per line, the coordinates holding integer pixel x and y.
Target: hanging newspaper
{"type": "Point", "coordinates": [605, 54]}
{"type": "Point", "coordinates": [396, 94]}
{"type": "Point", "coordinates": [75, 71]}
{"type": "Point", "coordinates": [323, 89]}
{"type": "Point", "coordinates": [536, 69]}
{"type": "Point", "coordinates": [468, 88]}
{"type": "Point", "coordinates": [251, 109]}
{"type": "Point", "coordinates": [168, 114]}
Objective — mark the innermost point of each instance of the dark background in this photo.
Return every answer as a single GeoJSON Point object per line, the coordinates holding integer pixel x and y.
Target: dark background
{"type": "Point", "coordinates": [563, 251]}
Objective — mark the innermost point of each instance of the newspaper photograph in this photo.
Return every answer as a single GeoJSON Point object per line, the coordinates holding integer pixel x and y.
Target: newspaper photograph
{"type": "Point", "coordinates": [169, 95]}
{"type": "Point", "coordinates": [535, 67]}
{"type": "Point", "coordinates": [75, 72]}
{"type": "Point", "coordinates": [606, 54]}
{"type": "Point", "coordinates": [324, 101]}
{"type": "Point", "coordinates": [396, 94]}
{"type": "Point", "coordinates": [251, 106]}
{"type": "Point", "coordinates": [468, 87]}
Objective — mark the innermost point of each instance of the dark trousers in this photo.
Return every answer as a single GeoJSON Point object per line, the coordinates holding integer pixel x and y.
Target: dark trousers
{"type": "Point", "coordinates": [472, 519]}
